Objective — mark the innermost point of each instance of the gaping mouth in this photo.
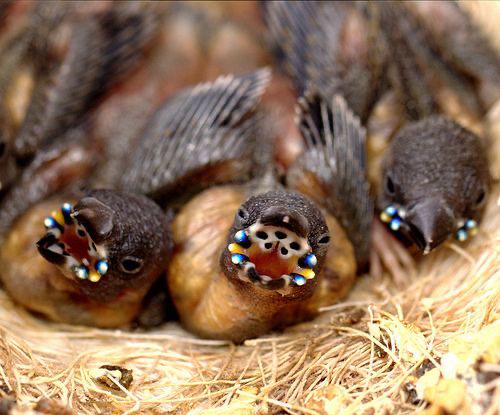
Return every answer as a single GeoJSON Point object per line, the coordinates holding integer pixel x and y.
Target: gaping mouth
{"type": "Point", "coordinates": [68, 245]}
{"type": "Point", "coordinates": [272, 256]}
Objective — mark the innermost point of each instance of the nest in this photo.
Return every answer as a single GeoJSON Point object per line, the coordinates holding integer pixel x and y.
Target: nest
{"type": "Point", "coordinates": [433, 345]}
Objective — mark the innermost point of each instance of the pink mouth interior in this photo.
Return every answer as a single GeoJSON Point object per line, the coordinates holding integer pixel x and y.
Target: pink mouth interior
{"type": "Point", "coordinates": [270, 263]}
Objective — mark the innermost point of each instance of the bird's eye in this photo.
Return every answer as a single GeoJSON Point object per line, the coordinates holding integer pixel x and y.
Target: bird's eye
{"type": "Point", "coordinates": [389, 185]}
{"type": "Point", "coordinates": [131, 265]}
{"type": "Point", "coordinates": [480, 198]}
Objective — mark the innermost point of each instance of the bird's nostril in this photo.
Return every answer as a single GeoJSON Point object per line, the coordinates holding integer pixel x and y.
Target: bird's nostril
{"type": "Point", "coordinates": [418, 237]}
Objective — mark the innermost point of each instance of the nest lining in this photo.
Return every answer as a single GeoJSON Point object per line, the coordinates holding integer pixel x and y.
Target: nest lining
{"type": "Point", "coordinates": [360, 356]}
{"type": "Point", "coordinates": [431, 346]}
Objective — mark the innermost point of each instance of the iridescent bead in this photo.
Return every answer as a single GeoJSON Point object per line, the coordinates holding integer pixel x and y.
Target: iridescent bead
{"type": "Point", "coordinates": [385, 217]}
{"type": "Point", "coordinates": [308, 261]}
{"type": "Point", "coordinates": [94, 276]}
{"type": "Point", "coordinates": [235, 249]}
{"type": "Point", "coordinates": [470, 224]}
{"type": "Point", "coordinates": [395, 224]}
{"type": "Point", "coordinates": [81, 272]}
{"type": "Point", "coordinates": [241, 236]}
{"type": "Point", "coordinates": [308, 273]}
{"type": "Point", "coordinates": [50, 222]}
{"type": "Point", "coordinates": [238, 259]}
{"type": "Point", "coordinates": [66, 209]}
{"type": "Point", "coordinates": [391, 210]}
{"type": "Point", "coordinates": [102, 266]}
{"type": "Point", "coordinates": [462, 235]}
{"type": "Point", "coordinates": [299, 279]}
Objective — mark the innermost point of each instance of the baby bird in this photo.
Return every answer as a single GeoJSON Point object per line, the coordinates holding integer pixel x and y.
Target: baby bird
{"type": "Point", "coordinates": [253, 255]}
{"type": "Point", "coordinates": [434, 180]}
{"type": "Point", "coordinates": [468, 53]}
{"type": "Point", "coordinates": [96, 233]}
{"type": "Point", "coordinates": [98, 258]}
{"type": "Point", "coordinates": [435, 175]}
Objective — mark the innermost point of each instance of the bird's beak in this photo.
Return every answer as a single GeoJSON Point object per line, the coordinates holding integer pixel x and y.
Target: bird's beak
{"type": "Point", "coordinates": [430, 223]}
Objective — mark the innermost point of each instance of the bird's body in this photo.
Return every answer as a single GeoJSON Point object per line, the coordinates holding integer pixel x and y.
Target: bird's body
{"type": "Point", "coordinates": [438, 84]}
{"type": "Point", "coordinates": [211, 305]}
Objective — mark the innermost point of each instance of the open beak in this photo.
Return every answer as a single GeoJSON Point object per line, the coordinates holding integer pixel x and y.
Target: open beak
{"type": "Point", "coordinates": [68, 245]}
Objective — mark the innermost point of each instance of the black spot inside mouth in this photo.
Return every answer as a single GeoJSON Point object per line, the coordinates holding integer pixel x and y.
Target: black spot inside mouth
{"type": "Point", "coordinates": [295, 246]}
{"type": "Point", "coordinates": [261, 235]}
{"type": "Point", "coordinates": [268, 245]}
{"type": "Point", "coordinates": [284, 251]}
{"type": "Point", "coordinates": [280, 235]}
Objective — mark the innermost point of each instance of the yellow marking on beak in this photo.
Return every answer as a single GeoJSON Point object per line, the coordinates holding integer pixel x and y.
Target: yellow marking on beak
{"type": "Point", "coordinates": [385, 217]}
{"type": "Point", "coordinates": [308, 273]}
{"type": "Point", "coordinates": [235, 249]}
{"type": "Point", "coordinates": [94, 276]}
{"type": "Point", "coordinates": [58, 216]}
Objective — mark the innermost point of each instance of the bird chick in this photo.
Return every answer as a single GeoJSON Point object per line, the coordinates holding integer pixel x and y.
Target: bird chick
{"type": "Point", "coordinates": [99, 256]}
{"type": "Point", "coordinates": [435, 182]}
{"type": "Point", "coordinates": [249, 254]}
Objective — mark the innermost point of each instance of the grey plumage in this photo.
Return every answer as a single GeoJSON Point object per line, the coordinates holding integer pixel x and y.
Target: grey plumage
{"type": "Point", "coordinates": [102, 50]}
{"type": "Point", "coordinates": [420, 67]}
{"type": "Point", "coordinates": [466, 51]}
{"type": "Point", "coordinates": [438, 172]}
{"type": "Point", "coordinates": [139, 230]}
{"type": "Point", "coordinates": [60, 167]}
{"type": "Point", "coordinates": [202, 127]}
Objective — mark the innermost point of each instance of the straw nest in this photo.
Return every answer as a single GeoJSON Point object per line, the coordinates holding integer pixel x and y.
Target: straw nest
{"type": "Point", "coordinates": [433, 346]}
